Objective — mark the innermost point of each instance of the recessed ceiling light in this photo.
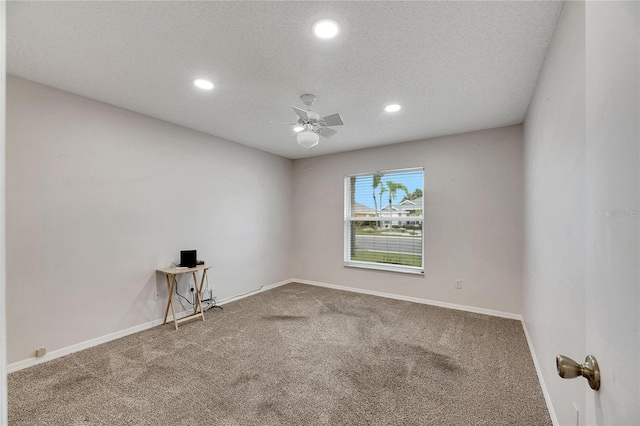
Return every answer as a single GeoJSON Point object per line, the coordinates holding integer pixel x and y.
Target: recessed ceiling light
{"type": "Point", "coordinates": [326, 28]}
{"type": "Point", "coordinates": [298, 129]}
{"type": "Point", "coordinates": [392, 108]}
{"type": "Point", "coordinates": [203, 84]}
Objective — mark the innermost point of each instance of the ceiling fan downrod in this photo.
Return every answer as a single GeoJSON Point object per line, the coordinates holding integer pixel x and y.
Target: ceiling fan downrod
{"type": "Point", "coordinates": [308, 99]}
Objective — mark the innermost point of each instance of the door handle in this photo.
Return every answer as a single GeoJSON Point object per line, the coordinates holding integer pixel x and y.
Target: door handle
{"type": "Point", "coordinates": [569, 369]}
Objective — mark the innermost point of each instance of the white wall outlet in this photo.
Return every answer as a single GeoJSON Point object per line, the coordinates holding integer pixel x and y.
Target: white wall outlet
{"type": "Point", "coordinates": [459, 284]}
{"type": "Point", "coordinates": [156, 295]}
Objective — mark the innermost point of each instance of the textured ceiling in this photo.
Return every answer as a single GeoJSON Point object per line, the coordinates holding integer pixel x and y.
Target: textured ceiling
{"type": "Point", "coordinates": [453, 66]}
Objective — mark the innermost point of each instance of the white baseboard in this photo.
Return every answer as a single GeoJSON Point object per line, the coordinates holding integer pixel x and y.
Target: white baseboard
{"type": "Point", "coordinates": [466, 308]}
{"type": "Point", "coordinates": [251, 293]}
{"type": "Point", "coordinates": [30, 362]}
{"type": "Point", "coordinates": [545, 391]}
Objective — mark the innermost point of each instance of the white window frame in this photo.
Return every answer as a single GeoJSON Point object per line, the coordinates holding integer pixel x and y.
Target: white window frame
{"type": "Point", "coordinates": [347, 227]}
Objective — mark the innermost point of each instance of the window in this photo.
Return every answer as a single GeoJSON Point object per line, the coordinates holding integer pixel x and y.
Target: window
{"type": "Point", "coordinates": [383, 220]}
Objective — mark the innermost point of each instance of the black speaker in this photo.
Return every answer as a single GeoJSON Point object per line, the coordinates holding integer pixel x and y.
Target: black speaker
{"type": "Point", "coordinates": [189, 258]}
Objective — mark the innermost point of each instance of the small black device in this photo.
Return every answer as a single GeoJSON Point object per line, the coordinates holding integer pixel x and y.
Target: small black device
{"type": "Point", "coordinates": [188, 258]}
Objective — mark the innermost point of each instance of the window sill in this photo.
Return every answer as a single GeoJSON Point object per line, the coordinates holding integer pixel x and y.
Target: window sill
{"type": "Point", "coordinates": [385, 267]}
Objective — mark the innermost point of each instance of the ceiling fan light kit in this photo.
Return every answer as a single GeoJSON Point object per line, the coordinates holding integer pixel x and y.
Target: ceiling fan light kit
{"type": "Point", "coordinates": [308, 139]}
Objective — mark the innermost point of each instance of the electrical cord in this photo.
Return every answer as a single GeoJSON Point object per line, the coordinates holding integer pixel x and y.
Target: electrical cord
{"type": "Point", "coordinates": [205, 290]}
{"type": "Point", "coordinates": [181, 296]}
{"type": "Point", "coordinates": [211, 303]}
{"type": "Point", "coordinates": [175, 281]}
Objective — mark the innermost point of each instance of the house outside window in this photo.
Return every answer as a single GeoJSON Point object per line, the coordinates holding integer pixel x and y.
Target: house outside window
{"type": "Point", "coordinates": [383, 220]}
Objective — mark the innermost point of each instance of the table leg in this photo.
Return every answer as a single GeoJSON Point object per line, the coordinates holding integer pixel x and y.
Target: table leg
{"type": "Point", "coordinates": [166, 311]}
{"type": "Point", "coordinates": [198, 292]}
{"type": "Point", "coordinates": [171, 279]}
{"type": "Point", "coordinates": [204, 274]}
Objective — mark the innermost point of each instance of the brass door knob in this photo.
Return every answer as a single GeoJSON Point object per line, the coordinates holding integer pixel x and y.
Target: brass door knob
{"type": "Point", "coordinates": [569, 369]}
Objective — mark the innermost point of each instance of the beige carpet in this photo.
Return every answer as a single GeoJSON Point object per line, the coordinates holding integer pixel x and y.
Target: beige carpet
{"type": "Point", "coordinates": [295, 355]}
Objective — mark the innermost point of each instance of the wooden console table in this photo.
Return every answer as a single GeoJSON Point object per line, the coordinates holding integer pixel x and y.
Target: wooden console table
{"type": "Point", "coordinates": [171, 274]}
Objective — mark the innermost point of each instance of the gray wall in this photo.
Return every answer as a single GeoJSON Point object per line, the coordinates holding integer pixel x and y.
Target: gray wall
{"type": "Point", "coordinates": [582, 134]}
{"type": "Point", "coordinates": [555, 203]}
{"type": "Point", "coordinates": [473, 218]}
{"type": "Point", "coordinates": [99, 197]}
{"type": "Point", "coordinates": [612, 167]}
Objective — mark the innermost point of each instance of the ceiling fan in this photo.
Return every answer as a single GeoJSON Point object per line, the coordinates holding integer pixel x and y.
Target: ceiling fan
{"type": "Point", "coordinates": [313, 126]}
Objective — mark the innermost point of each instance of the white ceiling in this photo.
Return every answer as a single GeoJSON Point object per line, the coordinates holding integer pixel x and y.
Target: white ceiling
{"type": "Point", "coordinates": [453, 66]}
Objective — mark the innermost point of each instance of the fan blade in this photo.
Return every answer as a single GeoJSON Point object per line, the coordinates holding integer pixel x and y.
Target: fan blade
{"type": "Point", "coordinates": [333, 120]}
{"type": "Point", "coordinates": [301, 113]}
{"type": "Point", "coordinates": [327, 132]}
